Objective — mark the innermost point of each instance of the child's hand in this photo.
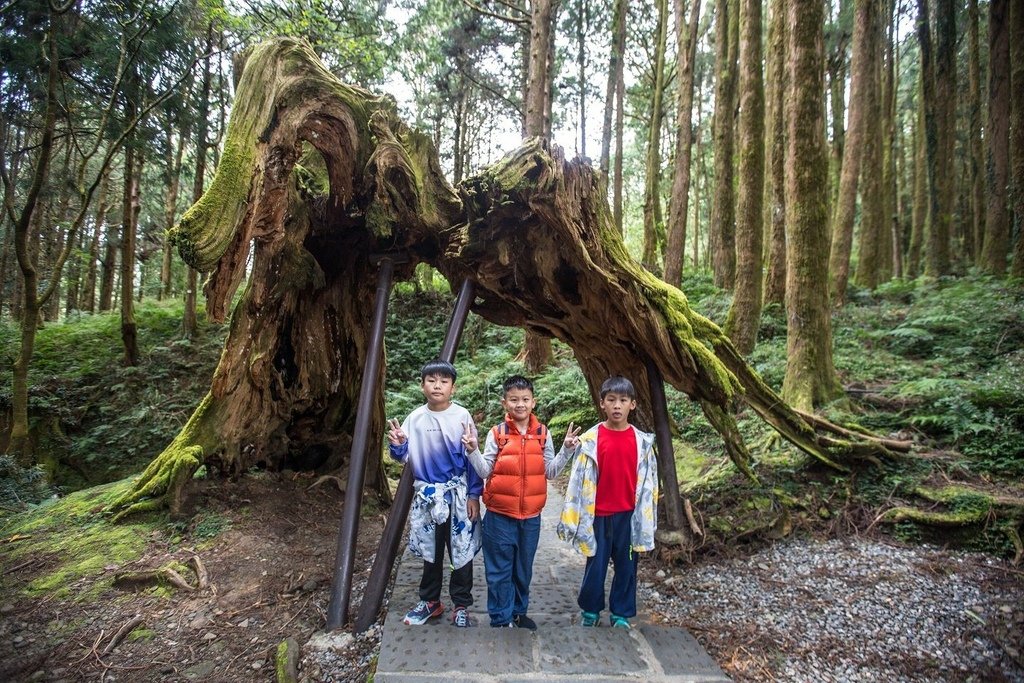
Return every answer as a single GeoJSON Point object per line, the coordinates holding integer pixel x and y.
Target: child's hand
{"type": "Point", "coordinates": [572, 437]}
{"type": "Point", "coordinates": [469, 439]}
{"type": "Point", "coordinates": [395, 434]}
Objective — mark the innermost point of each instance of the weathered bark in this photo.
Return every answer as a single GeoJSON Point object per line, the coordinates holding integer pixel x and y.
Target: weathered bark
{"type": "Point", "coordinates": [775, 157]}
{"type": "Point", "coordinates": [941, 228]}
{"type": "Point", "coordinates": [533, 231]}
{"type": "Point", "coordinates": [723, 207]}
{"type": "Point", "coordinates": [172, 170]}
{"type": "Point", "coordinates": [745, 313]}
{"type": "Point", "coordinates": [1017, 134]}
{"type": "Point", "coordinates": [654, 227]}
{"type": "Point", "coordinates": [997, 141]}
{"type": "Point", "coordinates": [189, 322]}
{"type": "Point", "coordinates": [679, 201]}
{"type": "Point", "coordinates": [836, 64]}
{"type": "Point", "coordinates": [810, 375]}
{"type": "Point", "coordinates": [861, 72]}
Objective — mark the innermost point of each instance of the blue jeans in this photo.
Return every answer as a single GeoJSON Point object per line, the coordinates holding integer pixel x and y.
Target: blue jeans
{"type": "Point", "coordinates": [509, 546]}
{"type": "Point", "coordinates": [613, 534]}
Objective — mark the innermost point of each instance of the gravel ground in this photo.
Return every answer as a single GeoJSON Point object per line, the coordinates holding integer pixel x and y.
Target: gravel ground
{"type": "Point", "coordinates": [849, 610]}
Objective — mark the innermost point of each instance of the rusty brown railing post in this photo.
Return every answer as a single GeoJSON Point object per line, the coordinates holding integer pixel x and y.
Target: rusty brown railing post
{"type": "Point", "coordinates": [387, 552]}
{"type": "Point", "coordinates": [674, 516]}
{"type": "Point", "coordinates": [348, 533]}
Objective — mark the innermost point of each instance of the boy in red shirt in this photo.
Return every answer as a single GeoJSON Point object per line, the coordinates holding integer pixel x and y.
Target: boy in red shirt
{"type": "Point", "coordinates": [610, 509]}
{"type": "Point", "coordinates": [517, 461]}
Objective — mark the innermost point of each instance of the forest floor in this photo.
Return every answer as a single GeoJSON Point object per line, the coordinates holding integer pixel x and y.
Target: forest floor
{"type": "Point", "coordinates": [804, 609]}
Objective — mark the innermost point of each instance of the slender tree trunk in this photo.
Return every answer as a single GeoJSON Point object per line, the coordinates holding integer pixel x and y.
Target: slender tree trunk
{"type": "Point", "coordinates": [75, 275]}
{"type": "Point", "coordinates": [976, 175]}
{"type": "Point", "coordinates": [745, 314]}
{"type": "Point", "coordinates": [919, 212]}
{"type": "Point", "coordinates": [775, 157]}
{"type": "Point", "coordinates": [810, 376]}
{"type": "Point", "coordinates": [30, 302]}
{"type": "Point", "coordinates": [653, 225]}
{"type": "Point", "coordinates": [678, 207]}
{"type": "Point", "coordinates": [723, 208]}
{"type": "Point", "coordinates": [861, 72]}
{"type": "Point", "coordinates": [997, 219]}
{"type": "Point", "coordinates": [8, 246]}
{"type": "Point", "coordinates": [942, 64]}
{"type": "Point", "coordinates": [891, 222]}
{"type": "Point", "coordinates": [698, 185]}
{"type": "Point", "coordinates": [189, 321]}
{"type": "Point", "coordinates": [615, 73]}
{"type": "Point", "coordinates": [1017, 132]}
{"type": "Point", "coordinates": [582, 22]}
{"type": "Point", "coordinates": [873, 221]}
{"type": "Point", "coordinates": [172, 163]}
{"type": "Point", "coordinates": [129, 222]}
{"type": "Point", "coordinates": [837, 101]}
{"type": "Point", "coordinates": [620, 103]}
{"type": "Point", "coordinates": [537, 353]}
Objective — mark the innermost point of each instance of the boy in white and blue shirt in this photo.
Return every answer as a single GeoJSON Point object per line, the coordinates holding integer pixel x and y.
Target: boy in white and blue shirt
{"type": "Point", "coordinates": [446, 494]}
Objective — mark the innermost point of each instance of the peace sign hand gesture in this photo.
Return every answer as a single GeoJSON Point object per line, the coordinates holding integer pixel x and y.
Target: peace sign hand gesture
{"type": "Point", "coordinates": [572, 437]}
{"type": "Point", "coordinates": [395, 434]}
{"type": "Point", "coordinates": [469, 439]}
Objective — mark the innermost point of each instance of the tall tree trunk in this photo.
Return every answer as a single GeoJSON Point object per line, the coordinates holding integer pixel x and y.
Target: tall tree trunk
{"type": "Point", "coordinates": [775, 157]}
{"type": "Point", "coordinates": [99, 225]}
{"type": "Point", "coordinates": [700, 181]}
{"type": "Point", "coordinates": [5, 254]}
{"type": "Point", "coordinates": [723, 207]}
{"type": "Point", "coordinates": [862, 66]}
{"type": "Point", "coordinates": [873, 221]}
{"type": "Point", "coordinates": [653, 220]}
{"type": "Point", "coordinates": [745, 313]}
{"type": "Point", "coordinates": [997, 140]}
{"type": "Point", "coordinates": [1017, 132]}
{"type": "Point", "coordinates": [537, 353]}
{"type": "Point", "coordinates": [71, 302]}
{"type": "Point", "coordinates": [679, 202]}
{"type": "Point", "coordinates": [30, 302]}
{"type": "Point", "coordinates": [129, 222]}
{"type": "Point", "coordinates": [189, 322]}
{"type": "Point", "coordinates": [892, 264]}
{"type": "Point", "coordinates": [837, 100]}
{"type": "Point", "coordinates": [172, 166]}
{"type": "Point", "coordinates": [110, 251]}
{"type": "Point", "coordinates": [919, 212]}
{"type": "Point", "coordinates": [976, 175]}
{"type": "Point", "coordinates": [620, 103]}
{"type": "Point", "coordinates": [810, 375]}
{"type": "Point", "coordinates": [582, 23]}
{"type": "Point", "coordinates": [615, 73]}
{"type": "Point", "coordinates": [937, 261]}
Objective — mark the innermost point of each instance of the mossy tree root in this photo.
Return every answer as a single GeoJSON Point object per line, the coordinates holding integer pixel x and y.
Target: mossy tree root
{"type": "Point", "coordinates": [960, 505]}
{"type": "Point", "coordinates": [162, 483]}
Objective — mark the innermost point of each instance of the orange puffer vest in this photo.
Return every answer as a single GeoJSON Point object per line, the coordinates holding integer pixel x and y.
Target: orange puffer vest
{"type": "Point", "coordinates": [518, 487]}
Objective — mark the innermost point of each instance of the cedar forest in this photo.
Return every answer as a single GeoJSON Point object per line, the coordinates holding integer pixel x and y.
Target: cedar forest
{"type": "Point", "coordinates": [804, 216]}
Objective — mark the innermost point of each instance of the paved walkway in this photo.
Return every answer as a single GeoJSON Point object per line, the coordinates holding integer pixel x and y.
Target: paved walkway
{"type": "Point", "coordinates": [560, 649]}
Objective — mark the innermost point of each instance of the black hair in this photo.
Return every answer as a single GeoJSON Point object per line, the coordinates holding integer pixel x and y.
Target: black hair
{"type": "Point", "coordinates": [516, 382]}
{"type": "Point", "coordinates": [617, 384]}
{"type": "Point", "coordinates": [438, 367]}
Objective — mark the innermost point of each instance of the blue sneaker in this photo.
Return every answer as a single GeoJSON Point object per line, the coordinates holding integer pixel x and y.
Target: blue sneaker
{"type": "Point", "coordinates": [590, 618]}
{"type": "Point", "coordinates": [423, 612]}
{"type": "Point", "coordinates": [619, 622]}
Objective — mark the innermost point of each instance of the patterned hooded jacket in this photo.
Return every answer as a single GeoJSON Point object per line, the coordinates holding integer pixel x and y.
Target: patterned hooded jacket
{"type": "Point", "coordinates": [577, 522]}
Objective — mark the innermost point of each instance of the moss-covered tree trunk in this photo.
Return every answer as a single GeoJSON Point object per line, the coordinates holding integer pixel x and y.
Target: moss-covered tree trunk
{"type": "Point", "coordinates": [844, 213]}
{"type": "Point", "coordinates": [722, 241]}
{"type": "Point", "coordinates": [810, 375]}
{"type": "Point", "coordinates": [775, 157]}
{"type": "Point", "coordinates": [873, 220]}
{"type": "Point", "coordinates": [533, 231]}
{"type": "Point", "coordinates": [654, 227]}
{"type": "Point", "coordinates": [1017, 133]}
{"type": "Point", "coordinates": [679, 201]}
{"type": "Point", "coordinates": [919, 210]}
{"type": "Point", "coordinates": [745, 313]}
{"type": "Point", "coordinates": [976, 172]}
{"type": "Point", "coordinates": [997, 138]}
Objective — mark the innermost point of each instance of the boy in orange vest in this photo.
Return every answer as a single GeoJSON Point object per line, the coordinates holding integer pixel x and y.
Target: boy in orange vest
{"type": "Point", "coordinates": [516, 463]}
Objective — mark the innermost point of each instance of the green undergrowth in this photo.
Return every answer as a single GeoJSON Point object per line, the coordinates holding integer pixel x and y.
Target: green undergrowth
{"type": "Point", "coordinates": [96, 419]}
{"type": "Point", "coordinates": [71, 546]}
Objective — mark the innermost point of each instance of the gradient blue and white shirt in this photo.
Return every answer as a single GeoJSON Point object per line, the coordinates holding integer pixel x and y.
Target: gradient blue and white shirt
{"type": "Point", "coordinates": [434, 449]}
